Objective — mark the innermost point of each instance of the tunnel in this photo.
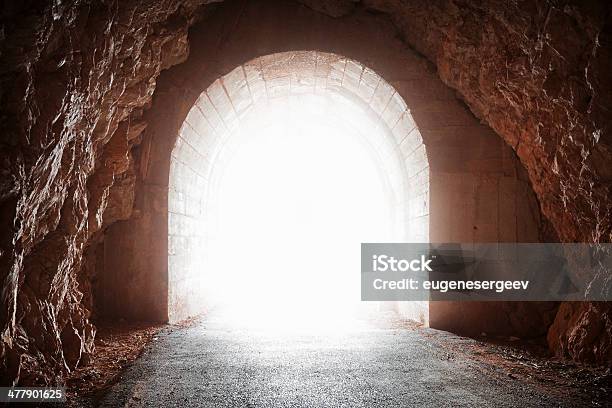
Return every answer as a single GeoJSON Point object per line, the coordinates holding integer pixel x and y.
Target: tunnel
{"type": "Point", "coordinates": [367, 121]}
{"type": "Point", "coordinates": [291, 82]}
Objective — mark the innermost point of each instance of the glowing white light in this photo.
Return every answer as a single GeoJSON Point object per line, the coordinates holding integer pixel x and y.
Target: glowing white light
{"type": "Point", "coordinates": [292, 194]}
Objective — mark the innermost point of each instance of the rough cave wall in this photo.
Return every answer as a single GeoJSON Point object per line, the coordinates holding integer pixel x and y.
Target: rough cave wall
{"type": "Point", "coordinates": [539, 73]}
{"type": "Point", "coordinates": [76, 77]}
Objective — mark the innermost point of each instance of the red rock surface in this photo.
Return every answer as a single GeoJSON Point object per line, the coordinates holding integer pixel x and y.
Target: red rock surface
{"type": "Point", "coordinates": [76, 77]}
{"type": "Point", "coordinates": [540, 75]}
{"type": "Point", "coordinates": [582, 330]}
{"type": "Point", "coordinates": [117, 346]}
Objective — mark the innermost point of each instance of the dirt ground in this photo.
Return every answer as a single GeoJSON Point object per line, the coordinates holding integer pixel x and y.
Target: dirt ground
{"type": "Point", "coordinates": [530, 362]}
{"type": "Point", "coordinates": [117, 346]}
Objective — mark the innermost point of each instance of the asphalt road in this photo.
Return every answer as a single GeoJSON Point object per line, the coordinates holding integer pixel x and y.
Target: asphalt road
{"type": "Point", "coordinates": [212, 364]}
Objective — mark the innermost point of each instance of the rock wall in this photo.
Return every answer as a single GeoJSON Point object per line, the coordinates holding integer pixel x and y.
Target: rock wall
{"type": "Point", "coordinates": [76, 77]}
{"type": "Point", "coordinates": [540, 74]}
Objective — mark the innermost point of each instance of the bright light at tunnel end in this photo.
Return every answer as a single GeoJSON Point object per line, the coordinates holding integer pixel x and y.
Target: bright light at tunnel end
{"type": "Point", "coordinates": [293, 193]}
{"type": "Point", "coordinates": [299, 158]}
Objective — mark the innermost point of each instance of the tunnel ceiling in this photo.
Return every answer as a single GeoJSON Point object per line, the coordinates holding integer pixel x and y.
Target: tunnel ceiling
{"type": "Point", "coordinates": [76, 79]}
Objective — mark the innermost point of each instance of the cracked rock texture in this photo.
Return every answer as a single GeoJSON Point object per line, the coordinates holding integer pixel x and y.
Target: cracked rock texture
{"type": "Point", "coordinates": [540, 74]}
{"type": "Point", "coordinates": [76, 77]}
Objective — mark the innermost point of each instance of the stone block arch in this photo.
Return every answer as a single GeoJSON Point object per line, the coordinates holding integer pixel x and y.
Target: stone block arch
{"type": "Point", "coordinates": [222, 106]}
{"type": "Point", "coordinates": [478, 190]}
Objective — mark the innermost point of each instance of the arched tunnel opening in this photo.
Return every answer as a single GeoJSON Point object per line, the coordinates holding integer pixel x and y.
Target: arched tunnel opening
{"type": "Point", "coordinates": [177, 175]}
{"type": "Point", "coordinates": [282, 168]}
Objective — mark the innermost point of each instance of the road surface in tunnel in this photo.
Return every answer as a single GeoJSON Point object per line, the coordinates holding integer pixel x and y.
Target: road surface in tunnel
{"type": "Point", "coordinates": [213, 364]}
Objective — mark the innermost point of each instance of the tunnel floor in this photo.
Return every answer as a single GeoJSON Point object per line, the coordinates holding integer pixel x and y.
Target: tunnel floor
{"type": "Point", "coordinates": [212, 364]}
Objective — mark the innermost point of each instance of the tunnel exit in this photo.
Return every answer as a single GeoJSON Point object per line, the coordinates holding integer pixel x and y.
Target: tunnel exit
{"type": "Point", "coordinates": [292, 194]}
{"type": "Point", "coordinates": [282, 168]}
